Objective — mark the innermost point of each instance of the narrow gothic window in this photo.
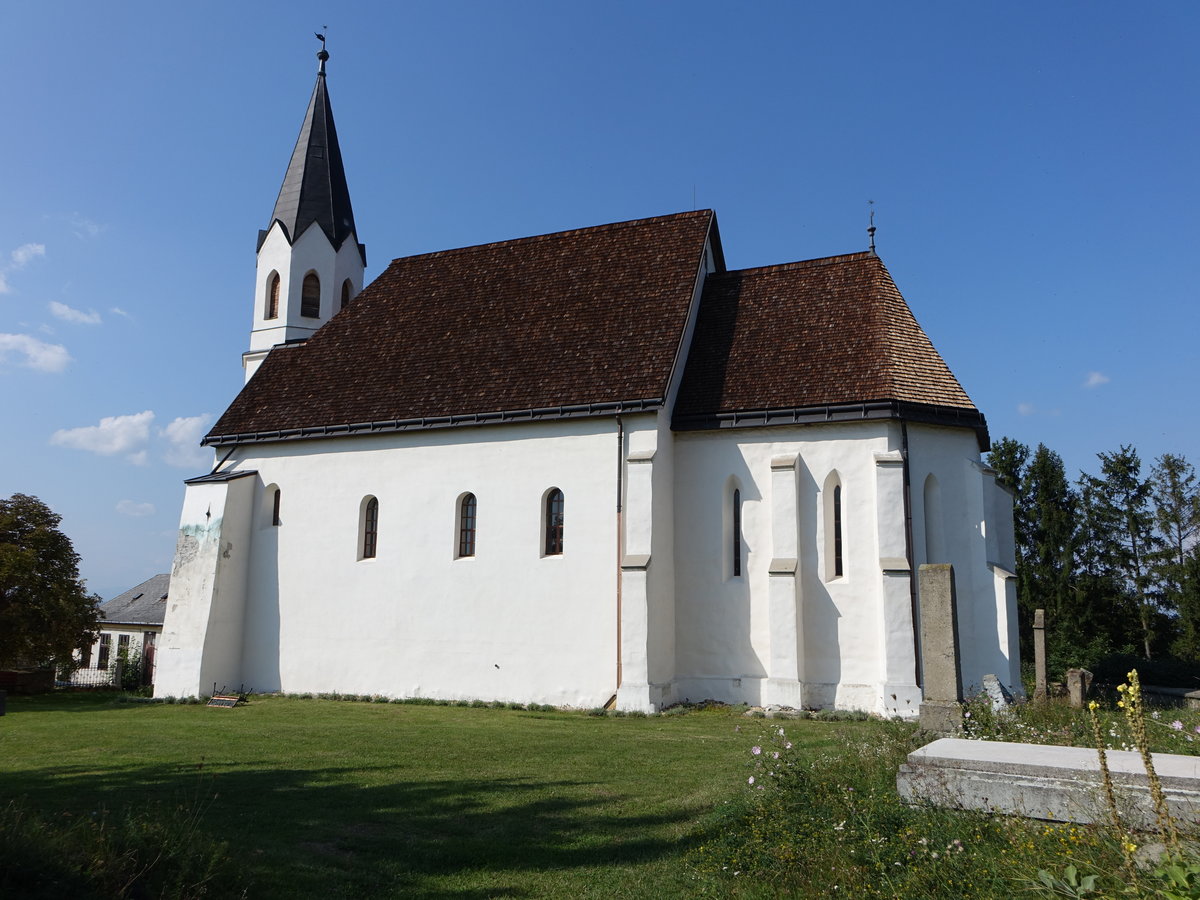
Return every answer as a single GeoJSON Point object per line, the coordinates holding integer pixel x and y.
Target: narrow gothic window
{"type": "Point", "coordinates": [837, 531]}
{"type": "Point", "coordinates": [275, 507]}
{"type": "Point", "coordinates": [346, 289]}
{"type": "Point", "coordinates": [554, 523]}
{"type": "Point", "coordinates": [466, 526]}
{"type": "Point", "coordinates": [737, 532]}
{"type": "Point", "coordinates": [273, 296]}
{"type": "Point", "coordinates": [310, 296]}
{"type": "Point", "coordinates": [370, 528]}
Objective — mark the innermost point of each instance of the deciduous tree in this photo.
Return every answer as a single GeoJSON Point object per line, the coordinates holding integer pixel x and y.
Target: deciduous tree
{"type": "Point", "coordinates": [45, 610]}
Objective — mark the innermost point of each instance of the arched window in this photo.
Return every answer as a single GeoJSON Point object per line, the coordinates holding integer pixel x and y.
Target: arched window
{"type": "Point", "coordinates": [466, 525]}
{"type": "Point", "coordinates": [347, 290]}
{"type": "Point", "coordinates": [554, 523]}
{"type": "Point", "coordinates": [370, 528]}
{"type": "Point", "coordinates": [272, 311]}
{"type": "Point", "coordinates": [737, 532]}
{"type": "Point", "coordinates": [275, 508]}
{"type": "Point", "coordinates": [310, 296]}
{"type": "Point", "coordinates": [834, 563]}
{"type": "Point", "coordinates": [837, 531]}
{"type": "Point", "coordinates": [935, 545]}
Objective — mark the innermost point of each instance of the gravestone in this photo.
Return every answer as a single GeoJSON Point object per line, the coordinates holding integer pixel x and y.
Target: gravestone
{"type": "Point", "coordinates": [1078, 683]}
{"type": "Point", "coordinates": [997, 693]}
{"type": "Point", "coordinates": [1039, 654]}
{"type": "Point", "coordinates": [941, 684]}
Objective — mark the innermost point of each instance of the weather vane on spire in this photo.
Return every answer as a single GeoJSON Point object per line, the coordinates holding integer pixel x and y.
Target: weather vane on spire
{"type": "Point", "coordinates": [323, 54]}
{"type": "Point", "coordinates": [871, 224]}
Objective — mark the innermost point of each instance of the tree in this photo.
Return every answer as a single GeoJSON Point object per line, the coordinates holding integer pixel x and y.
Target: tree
{"type": "Point", "coordinates": [1177, 516]}
{"type": "Point", "coordinates": [1050, 533]}
{"type": "Point", "coordinates": [45, 610]}
{"type": "Point", "coordinates": [1120, 516]}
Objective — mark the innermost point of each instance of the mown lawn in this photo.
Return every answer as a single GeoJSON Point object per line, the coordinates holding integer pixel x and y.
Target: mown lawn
{"type": "Point", "coordinates": [351, 799]}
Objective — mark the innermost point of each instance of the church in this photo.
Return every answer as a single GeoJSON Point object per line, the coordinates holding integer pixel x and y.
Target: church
{"type": "Point", "coordinates": [591, 468]}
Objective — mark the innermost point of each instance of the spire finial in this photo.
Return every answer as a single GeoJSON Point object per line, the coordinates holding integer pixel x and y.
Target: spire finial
{"type": "Point", "coordinates": [871, 225]}
{"type": "Point", "coordinates": [323, 54]}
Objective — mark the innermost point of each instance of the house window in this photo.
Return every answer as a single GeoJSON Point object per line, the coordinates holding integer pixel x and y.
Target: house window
{"type": "Point", "coordinates": [123, 647]}
{"type": "Point", "coordinates": [554, 523]}
{"type": "Point", "coordinates": [370, 529]}
{"type": "Point", "coordinates": [347, 289]}
{"type": "Point", "coordinates": [466, 526]}
{"type": "Point", "coordinates": [737, 533]}
{"type": "Point", "coordinates": [310, 296]}
{"type": "Point", "coordinates": [273, 296]}
{"type": "Point", "coordinates": [275, 508]}
{"type": "Point", "coordinates": [105, 649]}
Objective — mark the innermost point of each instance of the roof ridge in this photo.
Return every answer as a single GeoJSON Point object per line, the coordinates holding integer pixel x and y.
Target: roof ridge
{"type": "Point", "coordinates": [857, 256]}
{"type": "Point", "coordinates": [570, 232]}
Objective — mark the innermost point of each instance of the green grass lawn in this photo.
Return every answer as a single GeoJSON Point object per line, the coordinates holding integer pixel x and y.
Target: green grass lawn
{"type": "Point", "coordinates": [327, 798]}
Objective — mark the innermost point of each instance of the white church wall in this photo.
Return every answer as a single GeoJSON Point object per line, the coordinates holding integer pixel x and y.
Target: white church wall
{"type": "Point", "coordinates": [202, 627]}
{"type": "Point", "coordinates": [509, 623]}
{"type": "Point", "coordinates": [724, 629]}
{"type": "Point", "coordinates": [976, 536]}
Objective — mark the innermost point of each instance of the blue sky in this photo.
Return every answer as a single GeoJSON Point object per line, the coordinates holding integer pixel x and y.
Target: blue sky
{"type": "Point", "coordinates": [1033, 168]}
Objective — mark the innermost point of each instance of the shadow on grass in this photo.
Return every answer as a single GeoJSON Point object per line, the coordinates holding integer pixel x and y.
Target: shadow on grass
{"type": "Point", "coordinates": [331, 832]}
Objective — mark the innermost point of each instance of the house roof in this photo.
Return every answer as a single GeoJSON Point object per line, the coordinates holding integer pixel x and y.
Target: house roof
{"type": "Point", "coordinates": [314, 187]}
{"type": "Point", "coordinates": [141, 605]}
{"type": "Point", "coordinates": [568, 323]}
{"type": "Point", "coordinates": [825, 338]}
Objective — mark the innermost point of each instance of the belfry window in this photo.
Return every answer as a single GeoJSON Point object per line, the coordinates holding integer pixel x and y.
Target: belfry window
{"type": "Point", "coordinates": [370, 528]}
{"type": "Point", "coordinates": [310, 296]}
{"type": "Point", "coordinates": [272, 311]}
{"type": "Point", "coordinates": [347, 290]}
{"type": "Point", "coordinates": [466, 525]}
{"type": "Point", "coordinates": [554, 523]}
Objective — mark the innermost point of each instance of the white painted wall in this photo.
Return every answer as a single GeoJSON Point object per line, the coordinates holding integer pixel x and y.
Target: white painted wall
{"type": "Point", "coordinates": [507, 624]}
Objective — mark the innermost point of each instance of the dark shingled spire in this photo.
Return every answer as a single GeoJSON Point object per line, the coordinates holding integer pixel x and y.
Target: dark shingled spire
{"type": "Point", "coordinates": [314, 188]}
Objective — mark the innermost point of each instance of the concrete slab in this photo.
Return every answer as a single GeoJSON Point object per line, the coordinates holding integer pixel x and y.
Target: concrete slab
{"type": "Point", "coordinates": [1060, 784]}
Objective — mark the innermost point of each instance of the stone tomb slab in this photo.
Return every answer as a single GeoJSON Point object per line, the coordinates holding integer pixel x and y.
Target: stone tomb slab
{"type": "Point", "coordinates": [1061, 784]}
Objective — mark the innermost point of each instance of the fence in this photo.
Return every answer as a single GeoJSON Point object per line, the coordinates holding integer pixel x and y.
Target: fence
{"type": "Point", "coordinates": [109, 677]}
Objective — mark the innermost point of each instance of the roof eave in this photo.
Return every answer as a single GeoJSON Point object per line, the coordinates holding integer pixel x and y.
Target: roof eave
{"type": "Point", "coordinates": [423, 423]}
{"type": "Point", "coordinates": [923, 413]}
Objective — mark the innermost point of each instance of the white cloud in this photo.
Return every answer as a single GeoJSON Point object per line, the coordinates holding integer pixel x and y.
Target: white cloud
{"type": "Point", "coordinates": [1025, 409]}
{"type": "Point", "coordinates": [69, 314]}
{"type": "Point", "coordinates": [84, 227]}
{"type": "Point", "coordinates": [1095, 379]}
{"type": "Point", "coordinates": [135, 509]}
{"type": "Point", "coordinates": [20, 258]}
{"type": "Point", "coordinates": [26, 252]}
{"type": "Point", "coordinates": [114, 434]}
{"type": "Point", "coordinates": [183, 441]}
{"type": "Point", "coordinates": [36, 354]}
{"type": "Point", "coordinates": [117, 311]}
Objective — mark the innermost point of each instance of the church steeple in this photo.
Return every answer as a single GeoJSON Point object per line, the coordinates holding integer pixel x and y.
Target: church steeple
{"type": "Point", "coordinates": [306, 274]}
{"type": "Point", "coordinates": [314, 188]}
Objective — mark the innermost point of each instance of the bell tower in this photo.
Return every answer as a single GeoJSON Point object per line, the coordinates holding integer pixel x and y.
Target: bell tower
{"type": "Point", "coordinates": [310, 263]}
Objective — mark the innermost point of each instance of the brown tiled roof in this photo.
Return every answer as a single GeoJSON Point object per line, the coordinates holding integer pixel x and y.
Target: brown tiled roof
{"type": "Point", "coordinates": [593, 316]}
{"type": "Point", "coordinates": [810, 334]}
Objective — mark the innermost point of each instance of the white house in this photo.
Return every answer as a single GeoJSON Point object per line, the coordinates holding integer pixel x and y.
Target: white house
{"type": "Point", "coordinates": [579, 468]}
{"type": "Point", "coordinates": [130, 625]}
